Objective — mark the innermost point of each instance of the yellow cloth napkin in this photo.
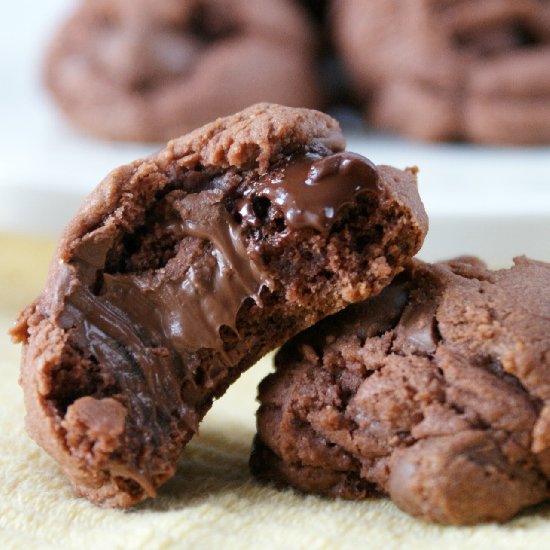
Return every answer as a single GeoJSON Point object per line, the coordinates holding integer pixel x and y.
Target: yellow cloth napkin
{"type": "Point", "coordinates": [212, 502]}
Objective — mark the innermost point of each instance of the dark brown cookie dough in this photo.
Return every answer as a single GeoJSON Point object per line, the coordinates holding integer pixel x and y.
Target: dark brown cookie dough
{"type": "Point", "coordinates": [181, 270]}
{"type": "Point", "coordinates": [151, 70]}
{"type": "Point", "coordinates": [435, 392]}
{"type": "Point", "coordinates": [460, 69]}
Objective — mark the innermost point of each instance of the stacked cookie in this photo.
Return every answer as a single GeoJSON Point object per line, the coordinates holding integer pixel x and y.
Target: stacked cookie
{"type": "Point", "coordinates": [149, 70]}
{"type": "Point", "coordinates": [435, 392]}
{"type": "Point", "coordinates": [182, 269]}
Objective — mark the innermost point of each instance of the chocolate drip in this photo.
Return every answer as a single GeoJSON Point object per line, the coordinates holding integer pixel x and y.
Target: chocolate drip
{"type": "Point", "coordinates": [109, 333]}
{"type": "Point", "coordinates": [191, 311]}
{"type": "Point", "coordinates": [310, 189]}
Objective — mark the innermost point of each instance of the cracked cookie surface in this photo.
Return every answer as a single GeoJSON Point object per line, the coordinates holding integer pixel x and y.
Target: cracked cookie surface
{"type": "Point", "coordinates": [436, 393]}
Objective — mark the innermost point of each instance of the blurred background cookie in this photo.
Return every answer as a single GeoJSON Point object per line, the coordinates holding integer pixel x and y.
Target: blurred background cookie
{"type": "Point", "coordinates": [458, 69]}
{"type": "Point", "coordinates": [151, 70]}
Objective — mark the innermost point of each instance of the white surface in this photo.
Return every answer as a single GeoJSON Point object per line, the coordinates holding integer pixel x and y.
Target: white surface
{"type": "Point", "coordinates": [464, 179]}
{"type": "Point", "coordinates": [491, 201]}
{"type": "Point", "coordinates": [496, 239]}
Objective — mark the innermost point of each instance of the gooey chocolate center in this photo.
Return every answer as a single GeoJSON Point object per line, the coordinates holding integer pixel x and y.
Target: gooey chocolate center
{"type": "Point", "coordinates": [147, 329]}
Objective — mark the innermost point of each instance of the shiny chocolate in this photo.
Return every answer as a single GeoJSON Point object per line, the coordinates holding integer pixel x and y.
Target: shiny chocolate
{"type": "Point", "coordinates": [148, 329]}
{"type": "Point", "coordinates": [311, 190]}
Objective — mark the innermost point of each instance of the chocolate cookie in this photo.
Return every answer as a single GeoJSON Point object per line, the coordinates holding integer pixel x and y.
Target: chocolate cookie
{"type": "Point", "coordinates": [459, 69]}
{"type": "Point", "coordinates": [181, 270]}
{"type": "Point", "coordinates": [435, 392]}
{"type": "Point", "coordinates": [152, 70]}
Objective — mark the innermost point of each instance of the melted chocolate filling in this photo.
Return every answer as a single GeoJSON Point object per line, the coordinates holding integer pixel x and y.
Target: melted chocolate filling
{"type": "Point", "coordinates": [310, 190]}
{"type": "Point", "coordinates": [149, 329]}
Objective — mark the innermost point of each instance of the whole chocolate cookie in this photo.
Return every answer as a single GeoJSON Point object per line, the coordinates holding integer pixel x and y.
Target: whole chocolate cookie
{"type": "Point", "coordinates": [181, 270]}
{"type": "Point", "coordinates": [459, 69]}
{"type": "Point", "coordinates": [151, 70]}
{"type": "Point", "coordinates": [435, 392]}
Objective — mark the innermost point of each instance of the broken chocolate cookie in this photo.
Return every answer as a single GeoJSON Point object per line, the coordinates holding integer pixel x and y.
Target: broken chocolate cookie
{"type": "Point", "coordinates": [181, 270]}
